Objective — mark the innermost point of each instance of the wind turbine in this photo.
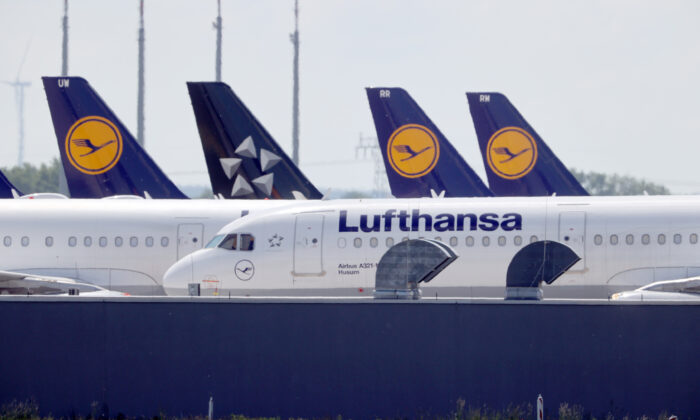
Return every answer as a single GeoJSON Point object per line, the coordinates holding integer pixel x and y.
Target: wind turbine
{"type": "Point", "coordinates": [19, 86]}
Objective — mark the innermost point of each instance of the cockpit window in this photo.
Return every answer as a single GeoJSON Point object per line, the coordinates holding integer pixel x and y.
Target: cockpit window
{"type": "Point", "coordinates": [215, 241]}
{"type": "Point", "coordinates": [229, 242]}
{"type": "Point", "coordinates": [247, 242]}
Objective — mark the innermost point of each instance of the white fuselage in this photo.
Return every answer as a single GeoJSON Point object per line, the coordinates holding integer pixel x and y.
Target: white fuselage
{"type": "Point", "coordinates": [333, 247]}
{"type": "Point", "coordinates": [123, 245]}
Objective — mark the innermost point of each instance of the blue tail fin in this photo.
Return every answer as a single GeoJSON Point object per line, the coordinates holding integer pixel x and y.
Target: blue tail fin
{"type": "Point", "coordinates": [100, 157]}
{"type": "Point", "coordinates": [418, 158]}
{"type": "Point", "coordinates": [6, 187]}
{"type": "Point", "coordinates": [517, 160]}
{"type": "Point", "coordinates": [243, 159]}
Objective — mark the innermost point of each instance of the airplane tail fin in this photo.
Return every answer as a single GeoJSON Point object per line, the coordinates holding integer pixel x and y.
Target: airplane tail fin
{"type": "Point", "coordinates": [419, 160]}
{"type": "Point", "coordinates": [6, 187]}
{"type": "Point", "coordinates": [100, 157]}
{"type": "Point", "coordinates": [243, 159]}
{"type": "Point", "coordinates": [517, 161]}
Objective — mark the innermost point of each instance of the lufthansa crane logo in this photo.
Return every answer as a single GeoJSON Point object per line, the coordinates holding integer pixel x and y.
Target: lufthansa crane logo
{"type": "Point", "coordinates": [93, 145]}
{"type": "Point", "coordinates": [413, 150]}
{"type": "Point", "coordinates": [511, 153]}
{"type": "Point", "coordinates": [244, 270]}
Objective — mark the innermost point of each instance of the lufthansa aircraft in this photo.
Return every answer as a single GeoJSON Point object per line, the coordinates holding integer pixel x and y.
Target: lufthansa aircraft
{"type": "Point", "coordinates": [243, 159]}
{"type": "Point", "coordinates": [419, 160]}
{"type": "Point", "coordinates": [517, 161]}
{"type": "Point", "coordinates": [123, 245]}
{"type": "Point", "coordinates": [333, 247]}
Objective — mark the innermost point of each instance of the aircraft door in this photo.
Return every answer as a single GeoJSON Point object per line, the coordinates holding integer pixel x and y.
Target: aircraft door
{"type": "Point", "coordinates": [572, 232]}
{"type": "Point", "coordinates": [308, 241]}
{"type": "Point", "coordinates": [189, 238]}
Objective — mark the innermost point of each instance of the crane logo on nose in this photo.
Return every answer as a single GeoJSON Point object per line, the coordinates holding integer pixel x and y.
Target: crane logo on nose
{"type": "Point", "coordinates": [93, 145]}
{"type": "Point", "coordinates": [244, 270]}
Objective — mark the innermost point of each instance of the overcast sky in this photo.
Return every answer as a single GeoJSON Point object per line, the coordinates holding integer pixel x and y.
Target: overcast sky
{"type": "Point", "coordinates": [611, 86]}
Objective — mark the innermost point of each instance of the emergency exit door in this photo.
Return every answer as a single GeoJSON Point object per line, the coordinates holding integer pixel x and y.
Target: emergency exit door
{"type": "Point", "coordinates": [308, 245]}
{"type": "Point", "coordinates": [572, 233]}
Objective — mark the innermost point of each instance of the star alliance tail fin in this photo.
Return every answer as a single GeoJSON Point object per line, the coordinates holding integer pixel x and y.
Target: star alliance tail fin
{"type": "Point", "coordinates": [100, 157]}
{"type": "Point", "coordinates": [517, 161]}
{"type": "Point", "coordinates": [419, 160]}
{"type": "Point", "coordinates": [243, 159]}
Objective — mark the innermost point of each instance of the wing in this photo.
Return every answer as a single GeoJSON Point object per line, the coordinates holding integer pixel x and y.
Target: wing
{"type": "Point", "coordinates": [83, 143]}
{"type": "Point", "coordinates": [403, 148]}
{"type": "Point", "coordinates": [16, 283]}
{"type": "Point", "coordinates": [502, 151]}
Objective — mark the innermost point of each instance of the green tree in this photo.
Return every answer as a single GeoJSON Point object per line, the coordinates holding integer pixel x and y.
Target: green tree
{"type": "Point", "coordinates": [597, 183]}
{"type": "Point", "coordinates": [30, 179]}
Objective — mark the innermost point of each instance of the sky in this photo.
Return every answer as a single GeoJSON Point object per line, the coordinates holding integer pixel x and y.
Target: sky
{"type": "Point", "coordinates": [611, 86]}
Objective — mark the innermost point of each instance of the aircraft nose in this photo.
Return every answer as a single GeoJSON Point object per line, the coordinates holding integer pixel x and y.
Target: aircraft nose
{"type": "Point", "coordinates": [178, 277]}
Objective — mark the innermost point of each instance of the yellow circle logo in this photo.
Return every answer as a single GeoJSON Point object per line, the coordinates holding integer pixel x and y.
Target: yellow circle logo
{"type": "Point", "coordinates": [511, 153]}
{"type": "Point", "coordinates": [93, 145]}
{"type": "Point", "coordinates": [413, 150]}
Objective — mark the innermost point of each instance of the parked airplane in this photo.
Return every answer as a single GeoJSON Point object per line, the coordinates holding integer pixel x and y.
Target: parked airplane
{"type": "Point", "coordinates": [100, 157]}
{"type": "Point", "coordinates": [419, 160]}
{"type": "Point", "coordinates": [333, 247]}
{"type": "Point", "coordinates": [7, 190]}
{"type": "Point", "coordinates": [243, 159]}
{"type": "Point", "coordinates": [123, 245]}
{"type": "Point", "coordinates": [517, 161]}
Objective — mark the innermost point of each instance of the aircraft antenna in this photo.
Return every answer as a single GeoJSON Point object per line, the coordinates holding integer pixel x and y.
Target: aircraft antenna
{"type": "Point", "coordinates": [139, 106]}
{"type": "Point", "coordinates": [294, 37]}
{"type": "Point", "coordinates": [218, 26]}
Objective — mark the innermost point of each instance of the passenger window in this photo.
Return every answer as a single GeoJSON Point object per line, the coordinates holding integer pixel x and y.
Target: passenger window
{"type": "Point", "coordinates": [248, 242]}
{"type": "Point", "coordinates": [693, 238]}
{"type": "Point", "coordinates": [342, 242]}
{"type": "Point", "coordinates": [645, 239]}
{"type": "Point", "coordinates": [404, 239]}
{"type": "Point", "coordinates": [87, 241]}
{"type": "Point", "coordinates": [118, 241]}
{"type": "Point", "coordinates": [613, 239]}
{"type": "Point", "coordinates": [149, 241]}
{"type": "Point", "coordinates": [230, 242]}
{"type": "Point", "coordinates": [357, 242]}
{"type": "Point", "coordinates": [470, 241]}
{"type": "Point", "coordinates": [598, 239]}
{"type": "Point", "coordinates": [25, 241]}
{"type": "Point", "coordinates": [164, 241]}
{"type": "Point", "coordinates": [533, 238]}
{"type": "Point", "coordinates": [661, 239]}
{"type": "Point", "coordinates": [7, 241]}
{"type": "Point", "coordinates": [629, 239]}
{"type": "Point", "coordinates": [517, 240]}
{"type": "Point", "coordinates": [677, 239]}
{"type": "Point", "coordinates": [133, 241]}
{"type": "Point", "coordinates": [72, 241]}
{"type": "Point", "coordinates": [501, 241]}
{"type": "Point", "coordinates": [453, 241]}
{"type": "Point", "coordinates": [373, 242]}
{"type": "Point", "coordinates": [389, 242]}
{"type": "Point", "coordinates": [216, 240]}
{"type": "Point", "coordinates": [49, 241]}
{"type": "Point", "coordinates": [485, 241]}
{"type": "Point", "coordinates": [102, 241]}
